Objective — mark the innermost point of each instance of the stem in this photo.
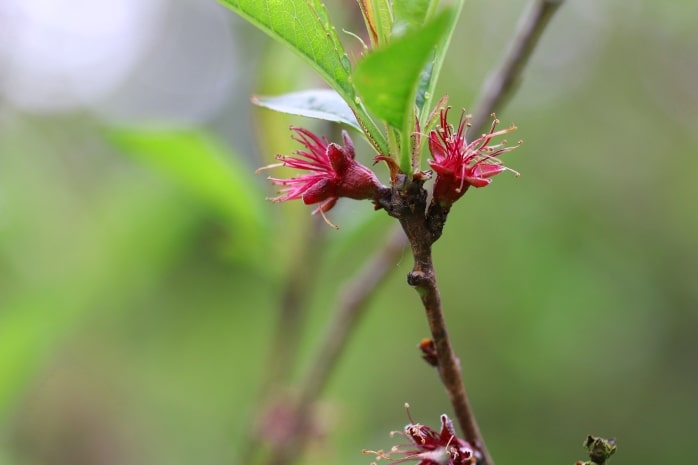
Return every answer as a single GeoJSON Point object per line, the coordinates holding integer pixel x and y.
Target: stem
{"type": "Point", "coordinates": [289, 329]}
{"type": "Point", "coordinates": [296, 293]}
{"type": "Point", "coordinates": [504, 81]}
{"type": "Point", "coordinates": [421, 234]}
{"type": "Point", "coordinates": [422, 230]}
{"type": "Point", "coordinates": [350, 307]}
{"type": "Point", "coordinates": [423, 277]}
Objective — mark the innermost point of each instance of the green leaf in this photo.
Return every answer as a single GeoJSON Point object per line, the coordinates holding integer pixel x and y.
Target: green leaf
{"type": "Point", "coordinates": [430, 75]}
{"type": "Point", "coordinates": [322, 104]}
{"type": "Point", "coordinates": [412, 13]}
{"type": "Point", "coordinates": [425, 79]}
{"type": "Point", "coordinates": [209, 173]}
{"type": "Point", "coordinates": [379, 20]}
{"type": "Point", "coordinates": [304, 26]}
{"type": "Point", "coordinates": [387, 78]}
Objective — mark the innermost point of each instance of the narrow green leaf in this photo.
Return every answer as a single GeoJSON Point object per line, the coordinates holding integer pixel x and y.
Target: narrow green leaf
{"type": "Point", "coordinates": [304, 26]}
{"type": "Point", "coordinates": [411, 13]}
{"type": "Point", "coordinates": [322, 104]}
{"type": "Point", "coordinates": [384, 16]}
{"type": "Point", "coordinates": [387, 78]}
{"type": "Point", "coordinates": [425, 79]}
{"type": "Point", "coordinates": [209, 173]}
{"type": "Point", "coordinates": [379, 20]}
{"type": "Point", "coordinates": [430, 76]}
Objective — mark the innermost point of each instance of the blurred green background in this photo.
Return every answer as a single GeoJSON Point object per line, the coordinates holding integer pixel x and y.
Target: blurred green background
{"type": "Point", "coordinates": [141, 271]}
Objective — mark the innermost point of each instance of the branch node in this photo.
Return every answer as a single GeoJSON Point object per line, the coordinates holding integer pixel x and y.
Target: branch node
{"type": "Point", "coordinates": [417, 278]}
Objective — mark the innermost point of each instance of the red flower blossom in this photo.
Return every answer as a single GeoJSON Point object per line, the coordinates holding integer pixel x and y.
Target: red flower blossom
{"type": "Point", "coordinates": [429, 447]}
{"type": "Point", "coordinates": [460, 164]}
{"type": "Point", "coordinates": [332, 173]}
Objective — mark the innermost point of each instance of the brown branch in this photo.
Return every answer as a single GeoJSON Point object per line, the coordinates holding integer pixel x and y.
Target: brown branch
{"type": "Point", "coordinates": [349, 309]}
{"type": "Point", "coordinates": [423, 278]}
{"type": "Point", "coordinates": [494, 93]}
{"type": "Point", "coordinates": [422, 231]}
{"type": "Point", "coordinates": [504, 81]}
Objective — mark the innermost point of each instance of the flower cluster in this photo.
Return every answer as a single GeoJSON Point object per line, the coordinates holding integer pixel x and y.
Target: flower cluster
{"type": "Point", "coordinates": [429, 447]}
{"type": "Point", "coordinates": [332, 173]}
{"type": "Point", "coordinates": [459, 164]}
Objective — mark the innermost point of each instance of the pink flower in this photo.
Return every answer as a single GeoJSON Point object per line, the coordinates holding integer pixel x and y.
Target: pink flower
{"type": "Point", "coordinates": [460, 164]}
{"type": "Point", "coordinates": [332, 173]}
{"type": "Point", "coordinates": [428, 447]}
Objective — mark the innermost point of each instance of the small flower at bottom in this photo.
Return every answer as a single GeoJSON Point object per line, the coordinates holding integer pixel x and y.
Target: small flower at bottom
{"type": "Point", "coordinates": [460, 164]}
{"type": "Point", "coordinates": [332, 173]}
{"type": "Point", "coordinates": [427, 446]}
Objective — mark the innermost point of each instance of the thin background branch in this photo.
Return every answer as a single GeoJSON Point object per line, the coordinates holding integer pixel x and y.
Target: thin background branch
{"type": "Point", "coordinates": [289, 329]}
{"type": "Point", "coordinates": [505, 80]}
{"type": "Point", "coordinates": [349, 308]}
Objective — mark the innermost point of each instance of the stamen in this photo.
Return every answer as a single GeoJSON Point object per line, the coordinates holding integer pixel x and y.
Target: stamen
{"type": "Point", "coordinates": [273, 165]}
{"type": "Point", "coordinates": [409, 415]}
{"type": "Point", "coordinates": [468, 125]}
{"type": "Point", "coordinates": [378, 453]}
{"type": "Point", "coordinates": [356, 37]}
{"type": "Point", "coordinates": [462, 177]}
{"type": "Point", "coordinates": [326, 206]}
{"type": "Point", "coordinates": [516, 173]}
{"type": "Point", "coordinates": [327, 220]}
{"type": "Point", "coordinates": [381, 455]}
{"type": "Point", "coordinates": [415, 429]}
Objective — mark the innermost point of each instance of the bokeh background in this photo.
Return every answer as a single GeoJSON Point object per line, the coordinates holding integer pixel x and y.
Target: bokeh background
{"type": "Point", "coordinates": [141, 271]}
